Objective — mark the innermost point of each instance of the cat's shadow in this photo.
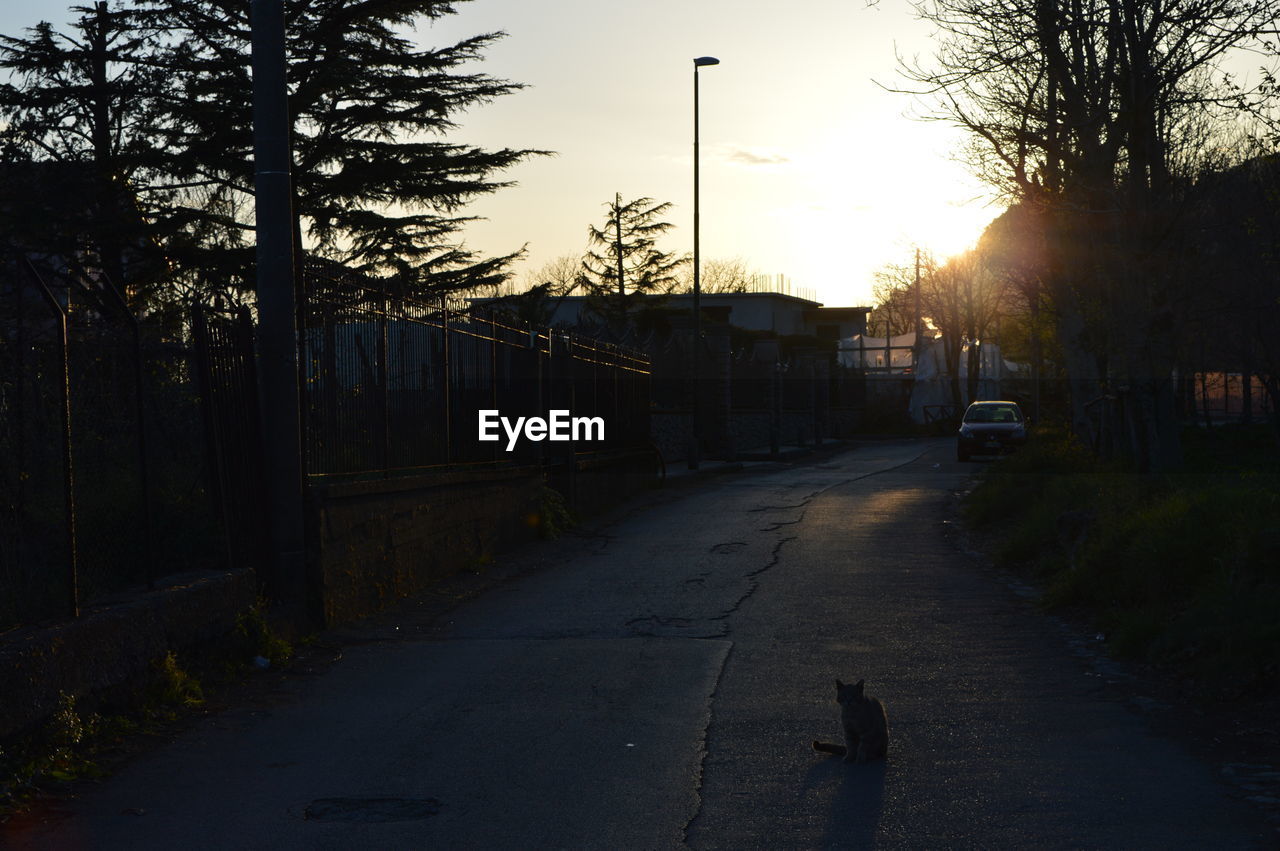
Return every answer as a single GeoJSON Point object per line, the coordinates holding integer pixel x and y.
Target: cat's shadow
{"type": "Point", "coordinates": [857, 803]}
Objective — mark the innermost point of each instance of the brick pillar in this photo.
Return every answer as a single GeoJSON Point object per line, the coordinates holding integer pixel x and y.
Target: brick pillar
{"type": "Point", "coordinates": [803, 364]}
{"type": "Point", "coordinates": [822, 397]}
{"type": "Point", "coordinates": [719, 401]}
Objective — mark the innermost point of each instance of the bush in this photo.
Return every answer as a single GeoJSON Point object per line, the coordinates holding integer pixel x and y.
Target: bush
{"type": "Point", "coordinates": [1181, 569]}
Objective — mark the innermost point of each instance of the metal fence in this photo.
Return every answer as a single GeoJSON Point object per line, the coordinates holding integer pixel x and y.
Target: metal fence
{"type": "Point", "coordinates": [131, 451]}
{"type": "Point", "coordinates": [102, 480]}
{"type": "Point", "coordinates": [392, 382]}
{"type": "Point", "coordinates": [1221, 395]}
{"type": "Point", "coordinates": [225, 372]}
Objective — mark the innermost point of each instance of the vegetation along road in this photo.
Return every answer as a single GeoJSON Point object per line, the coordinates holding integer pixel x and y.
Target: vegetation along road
{"type": "Point", "coordinates": [656, 681]}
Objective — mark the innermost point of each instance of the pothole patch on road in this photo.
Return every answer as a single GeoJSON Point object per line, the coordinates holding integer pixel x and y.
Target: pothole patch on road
{"type": "Point", "coordinates": [656, 626]}
{"type": "Point", "coordinates": [371, 810]}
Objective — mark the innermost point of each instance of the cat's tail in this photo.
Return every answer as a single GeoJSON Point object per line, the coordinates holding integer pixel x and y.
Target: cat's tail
{"type": "Point", "coordinates": [825, 747]}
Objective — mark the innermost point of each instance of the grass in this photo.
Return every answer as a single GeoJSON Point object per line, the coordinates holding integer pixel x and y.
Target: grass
{"type": "Point", "coordinates": [71, 744]}
{"type": "Point", "coordinates": [257, 639]}
{"type": "Point", "coordinates": [551, 515]}
{"type": "Point", "coordinates": [76, 741]}
{"type": "Point", "coordinates": [1180, 570]}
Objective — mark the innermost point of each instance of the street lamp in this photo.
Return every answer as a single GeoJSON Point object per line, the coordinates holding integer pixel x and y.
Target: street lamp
{"type": "Point", "coordinates": [694, 448]}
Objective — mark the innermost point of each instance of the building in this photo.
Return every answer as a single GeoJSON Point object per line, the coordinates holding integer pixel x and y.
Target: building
{"type": "Point", "coordinates": [783, 314]}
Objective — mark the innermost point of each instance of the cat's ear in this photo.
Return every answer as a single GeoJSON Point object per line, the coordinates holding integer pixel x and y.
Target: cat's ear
{"type": "Point", "coordinates": [858, 686]}
{"type": "Point", "coordinates": [839, 685]}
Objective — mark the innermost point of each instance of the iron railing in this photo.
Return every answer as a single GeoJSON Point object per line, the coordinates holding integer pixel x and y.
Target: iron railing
{"type": "Point", "coordinates": [393, 382]}
{"type": "Point", "coordinates": [102, 481]}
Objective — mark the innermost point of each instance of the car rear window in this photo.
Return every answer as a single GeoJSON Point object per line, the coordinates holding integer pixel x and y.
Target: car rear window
{"type": "Point", "coordinates": [993, 414]}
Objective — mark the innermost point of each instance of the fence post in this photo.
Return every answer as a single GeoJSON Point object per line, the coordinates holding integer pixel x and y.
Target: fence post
{"type": "Point", "coordinates": [68, 478]}
{"type": "Point", "coordinates": [143, 468]}
{"type": "Point", "coordinates": [382, 375]}
{"type": "Point", "coordinates": [447, 384]}
{"type": "Point", "coordinates": [493, 372]}
{"type": "Point", "coordinates": [775, 410]}
{"type": "Point", "coordinates": [213, 449]}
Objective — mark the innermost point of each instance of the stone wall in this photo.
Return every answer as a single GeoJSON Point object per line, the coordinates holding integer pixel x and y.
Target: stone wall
{"type": "Point", "coordinates": [670, 430]}
{"type": "Point", "coordinates": [604, 479]}
{"type": "Point", "coordinates": [374, 542]}
{"type": "Point", "coordinates": [379, 541]}
{"type": "Point", "coordinates": [110, 650]}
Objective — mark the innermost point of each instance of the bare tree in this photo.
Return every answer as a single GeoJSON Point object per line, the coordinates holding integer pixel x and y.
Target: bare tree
{"type": "Point", "coordinates": [731, 275]}
{"type": "Point", "coordinates": [962, 298]}
{"type": "Point", "coordinates": [1090, 112]}
{"type": "Point", "coordinates": [894, 294]}
{"type": "Point", "coordinates": [562, 275]}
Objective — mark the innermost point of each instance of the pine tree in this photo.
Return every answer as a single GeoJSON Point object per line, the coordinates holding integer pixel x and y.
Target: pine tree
{"type": "Point", "coordinates": [625, 265]}
{"type": "Point", "coordinates": [376, 185]}
{"type": "Point", "coordinates": [76, 143]}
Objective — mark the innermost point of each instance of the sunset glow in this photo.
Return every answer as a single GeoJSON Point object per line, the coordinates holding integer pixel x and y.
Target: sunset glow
{"type": "Point", "coordinates": [810, 167]}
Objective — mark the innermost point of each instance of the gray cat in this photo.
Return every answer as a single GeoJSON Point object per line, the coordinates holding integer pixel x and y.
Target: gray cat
{"type": "Point", "coordinates": [866, 726]}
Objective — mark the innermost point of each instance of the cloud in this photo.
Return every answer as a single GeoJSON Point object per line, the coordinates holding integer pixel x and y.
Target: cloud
{"type": "Point", "coordinates": [743, 157]}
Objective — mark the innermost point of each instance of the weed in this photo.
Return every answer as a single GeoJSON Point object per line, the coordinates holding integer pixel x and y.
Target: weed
{"type": "Point", "coordinates": [174, 686]}
{"type": "Point", "coordinates": [59, 751]}
{"type": "Point", "coordinates": [69, 744]}
{"type": "Point", "coordinates": [258, 639]}
{"type": "Point", "coordinates": [553, 516]}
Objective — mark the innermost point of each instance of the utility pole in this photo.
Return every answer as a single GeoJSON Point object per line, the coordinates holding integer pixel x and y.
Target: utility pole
{"type": "Point", "coordinates": [1037, 355]}
{"type": "Point", "coordinates": [918, 349]}
{"type": "Point", "coordinates": [277, 300]}
{"type": "Point", "coordinates": [695, 439]}
{"type": "Point", "coordinates": [617, 249]}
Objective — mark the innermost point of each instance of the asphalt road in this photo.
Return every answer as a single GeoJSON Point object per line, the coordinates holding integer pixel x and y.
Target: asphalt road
{"type": "Point", "coordinates": [655, 683]}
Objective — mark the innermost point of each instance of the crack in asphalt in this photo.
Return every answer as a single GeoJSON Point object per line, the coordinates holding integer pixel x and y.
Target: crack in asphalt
{"type": "Point", "coordinates": [674, 627]}
{"type": "Point", "coordinates": [802, 504]}
{"type": "Point", "coordinates": [600, 541]}
{"type": "Point", "coordinates": [703, 749]}
{"type": "Point", "coordinates": [752, 584]}
{"type": "Point", "coordinates": [728, 547]}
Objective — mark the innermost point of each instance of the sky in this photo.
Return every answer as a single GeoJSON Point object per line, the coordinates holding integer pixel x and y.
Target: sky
{"type": "Point", "coordinates": [810, 168]}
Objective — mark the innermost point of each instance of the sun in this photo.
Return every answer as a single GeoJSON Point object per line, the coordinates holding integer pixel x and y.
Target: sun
{"type": "Point", "coordinates": [856, 210]}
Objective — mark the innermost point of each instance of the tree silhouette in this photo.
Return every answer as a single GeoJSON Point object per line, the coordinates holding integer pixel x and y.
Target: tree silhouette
{"type": "Point", "coordinates": [1097, 114]}
{"type": "Point", "coordinates": [624, 265]}
{"type": "Point", "coordinates": [78, 144]}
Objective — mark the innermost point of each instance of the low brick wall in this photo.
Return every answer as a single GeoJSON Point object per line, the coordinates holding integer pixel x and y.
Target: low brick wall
{"type": "Point", "coordinates": [604, 479]}
{"type": "Point", "coordinates": [379, 541]}
{"type": "Point", "coordinates": [110, 649]}
{"type": "Point", "coordinates": [751, 430]}
{"type": "Point", "coordinates": [670, 431]}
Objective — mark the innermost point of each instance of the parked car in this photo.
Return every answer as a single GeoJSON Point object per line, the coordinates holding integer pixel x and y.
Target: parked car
{"type": "Point", "coordinates": [991, 428]}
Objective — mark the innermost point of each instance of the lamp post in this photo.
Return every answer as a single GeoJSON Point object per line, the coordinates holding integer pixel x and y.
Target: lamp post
{"type": "Point", "coordinates": [695, 448]}
{"type": "Point", "coordinates": [277, 306]}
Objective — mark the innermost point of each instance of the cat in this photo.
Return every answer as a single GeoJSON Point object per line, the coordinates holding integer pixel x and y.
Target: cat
{"type": "Point", "coordinates": [866, 726]}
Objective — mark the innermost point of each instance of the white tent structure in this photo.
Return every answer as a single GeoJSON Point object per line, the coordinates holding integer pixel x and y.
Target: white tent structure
{"type": "Point", "coordinates": [894, 357]}
{"type": "Point", "coordinates": [931, 392]}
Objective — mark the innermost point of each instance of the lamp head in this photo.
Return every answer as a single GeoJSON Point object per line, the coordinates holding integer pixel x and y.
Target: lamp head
{"type": "Point", "coordinates": [705, 60]}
